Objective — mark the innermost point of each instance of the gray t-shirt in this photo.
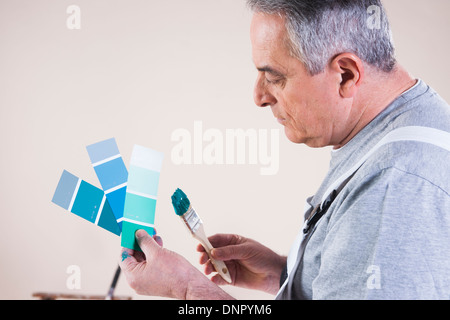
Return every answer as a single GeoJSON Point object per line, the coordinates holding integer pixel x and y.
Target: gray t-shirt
{"type": "Point", "coordinates": [387, 234]}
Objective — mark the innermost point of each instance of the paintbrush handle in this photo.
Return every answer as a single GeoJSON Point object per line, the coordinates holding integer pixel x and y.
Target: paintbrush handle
{"type": "Point", "coordinates": [110, 293]}
{"type": "Point", "coordinates": [220, 266]}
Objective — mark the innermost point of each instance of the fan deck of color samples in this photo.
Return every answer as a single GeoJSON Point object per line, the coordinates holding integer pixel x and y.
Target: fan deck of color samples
{"type": "Point", "coordinates": [128, 199]}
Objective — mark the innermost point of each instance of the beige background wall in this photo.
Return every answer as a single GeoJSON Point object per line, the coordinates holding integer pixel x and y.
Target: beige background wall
{"type": "Point", "coordinates": [139, 70]}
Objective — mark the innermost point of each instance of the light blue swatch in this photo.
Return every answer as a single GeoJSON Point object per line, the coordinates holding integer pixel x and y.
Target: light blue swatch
{"type": "Point", "coordinates": [64, 191]}
{"type": "Point", "coordinates": [102, 150]}
{"type": "Point", "coordinates": [111, 173]}
{"type": "Point", "coordinates": [143, 180]}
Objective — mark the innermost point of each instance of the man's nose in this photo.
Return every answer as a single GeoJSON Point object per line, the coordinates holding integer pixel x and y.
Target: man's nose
{"type": "Point", "coordinates": [261, 94]}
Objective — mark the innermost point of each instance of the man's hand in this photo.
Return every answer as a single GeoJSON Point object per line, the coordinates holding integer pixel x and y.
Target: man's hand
{"type": "Point", "coordinates": [157, 271]}
{"type": "Point", "coordinates": [251, 264]}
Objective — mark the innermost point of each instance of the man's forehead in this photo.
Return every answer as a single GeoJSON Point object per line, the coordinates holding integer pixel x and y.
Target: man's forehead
{"type": "Point", "coordinates": [266, 29]}
{"type": "Point", "coordinates": [268, 36]}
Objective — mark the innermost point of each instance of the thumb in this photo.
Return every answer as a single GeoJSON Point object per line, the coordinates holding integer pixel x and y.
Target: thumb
{"type": "Point", "coordinates": [147, 244]}
{"type": "Point", "coordinates": [231, 252]}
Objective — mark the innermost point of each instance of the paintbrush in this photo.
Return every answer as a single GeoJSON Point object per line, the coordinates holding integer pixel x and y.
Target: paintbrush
{"type": "Point", "coordinates": [110, 294]}
{"type": "Point", "coordinates": [185, 211]}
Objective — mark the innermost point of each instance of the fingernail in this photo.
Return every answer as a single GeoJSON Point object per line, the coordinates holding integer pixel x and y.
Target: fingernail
{"type": "Point", "coordinates": [158, 240]}
{"type": "Point", "coordinates": [214, 253]}
{"type": "Point", "coordinates": [140, 233]}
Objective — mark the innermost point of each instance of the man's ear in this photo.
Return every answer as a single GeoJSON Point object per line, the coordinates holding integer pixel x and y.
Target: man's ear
{"type": "Point", "coordinates": [351, 70]}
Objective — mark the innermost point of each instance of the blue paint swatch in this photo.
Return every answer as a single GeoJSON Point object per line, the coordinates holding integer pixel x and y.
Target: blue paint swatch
{"type": "Point", "coordinates": [86, 201]}
{"type": "Point", "coordinates": [141, 194]}
{"type": "Point", "coordinates": [111, 172]}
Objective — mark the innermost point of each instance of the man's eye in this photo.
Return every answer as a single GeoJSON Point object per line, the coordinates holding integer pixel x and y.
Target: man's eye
{"type": "Point", "coordinates": [272, 80]}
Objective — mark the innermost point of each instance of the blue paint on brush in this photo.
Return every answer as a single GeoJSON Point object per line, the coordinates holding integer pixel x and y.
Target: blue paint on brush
{"type": "Point", "coordinates": [180, 202]}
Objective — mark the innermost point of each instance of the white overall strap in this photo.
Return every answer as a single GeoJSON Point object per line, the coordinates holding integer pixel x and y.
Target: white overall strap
{"type": "Point", "coordinates": [433, 136]}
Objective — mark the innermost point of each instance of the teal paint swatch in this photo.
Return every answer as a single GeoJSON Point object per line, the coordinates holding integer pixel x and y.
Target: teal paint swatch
{"type": "Point", "coordinates": [129, 229]}
{"type": "Point", "coordinates": [141, 194]}
{"type": "Point", "coordinates": [111, 172]}
{"type": "Point", "coordinates": [138, 208]}
{"type": "Point", "coordinates": [86, 201]}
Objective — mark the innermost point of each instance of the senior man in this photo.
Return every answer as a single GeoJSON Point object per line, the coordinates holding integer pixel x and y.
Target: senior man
{"type": "Point", "coordinates": [379, 225]}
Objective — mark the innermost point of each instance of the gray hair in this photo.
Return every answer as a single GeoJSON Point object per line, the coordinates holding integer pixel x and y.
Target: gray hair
{"type": "Point", "coordinates": [319, 30]}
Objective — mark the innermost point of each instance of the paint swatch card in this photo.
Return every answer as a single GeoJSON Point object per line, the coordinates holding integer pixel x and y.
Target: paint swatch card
{"type": "Point", "coordinates": [141, 194]}
{"type": "Point", "coordinates": [112, 174]}
{"type": "Point", "coordinates": [86, 201]}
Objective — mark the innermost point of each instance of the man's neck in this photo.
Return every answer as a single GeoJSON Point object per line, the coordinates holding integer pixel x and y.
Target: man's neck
{"type": "Point", "coordinates": [376, 93]}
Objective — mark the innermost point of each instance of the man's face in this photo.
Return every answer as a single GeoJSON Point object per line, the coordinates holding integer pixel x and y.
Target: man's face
{"type": "Point", "coordinates": [309, 107]}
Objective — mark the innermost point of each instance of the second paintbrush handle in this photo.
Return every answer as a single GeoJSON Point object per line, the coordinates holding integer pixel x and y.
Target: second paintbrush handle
{"type": "Point", "coordinates": [220, 266]}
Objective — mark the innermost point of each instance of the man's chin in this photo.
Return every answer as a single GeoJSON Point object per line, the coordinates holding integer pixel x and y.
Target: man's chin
{"type": "Point", "coordinates": [298, 139]}
{"type": "Point", "coordinates": [292, 136]}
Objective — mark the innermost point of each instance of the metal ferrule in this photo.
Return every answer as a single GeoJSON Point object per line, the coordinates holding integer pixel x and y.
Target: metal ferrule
{"type": "Point", "coordinates": [192, 220]}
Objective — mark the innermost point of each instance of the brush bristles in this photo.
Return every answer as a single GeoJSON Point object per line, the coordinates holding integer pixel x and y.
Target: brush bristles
{"type": "Point", "coordinates": [180, 202]}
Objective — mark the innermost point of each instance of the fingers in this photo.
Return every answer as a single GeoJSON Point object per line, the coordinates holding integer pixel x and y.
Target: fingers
{"type": "Point", "coordinates": [204, 258]}
{"type": "Point", "coordinates": [147, 242]}
{"type": "Point", "coordinates": [217, 279]}
{"type": "Point", "coordinates": [127, 259]}
{"type": "Point", "coordinates": [126, 253]}
{"type": "Point", "coordinates": [149, 245]}
{"type": "Point", "coordinates": [158, 240]}
{"type": "Point", "coordinates": [226, 247]}
{"type": "Point", "coordinates": [200, 248]}
{"type": "Point", "coordinates": [222, 239]}
{"type": "Point", "coordinates": [209, 268]}
{"type": "Point", "coordinates": [232, 252]}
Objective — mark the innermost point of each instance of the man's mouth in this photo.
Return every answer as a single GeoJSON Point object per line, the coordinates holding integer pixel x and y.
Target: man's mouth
{"type": "Point", "coordinates": [281, 120]}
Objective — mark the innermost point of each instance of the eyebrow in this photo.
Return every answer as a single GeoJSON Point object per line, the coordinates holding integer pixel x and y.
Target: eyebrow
{"type": "Point", "coordinates": [271, 71]}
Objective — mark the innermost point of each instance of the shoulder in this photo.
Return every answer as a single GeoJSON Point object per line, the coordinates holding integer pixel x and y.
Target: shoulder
{"type": "Point", "coordinates": [414, 160]}
{"type": "Point", "coordinates": [394, 214]}
{"type": "Point", "coordinates": [422, 147]}
{"type": "Point", "coordinates": [403, 182]}
{"type": "Point", "coordinates": [424, 107]}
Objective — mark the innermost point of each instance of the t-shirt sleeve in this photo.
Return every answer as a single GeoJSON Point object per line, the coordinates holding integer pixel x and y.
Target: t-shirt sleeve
{"type": "Point", "coordinates": [387, 239]}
